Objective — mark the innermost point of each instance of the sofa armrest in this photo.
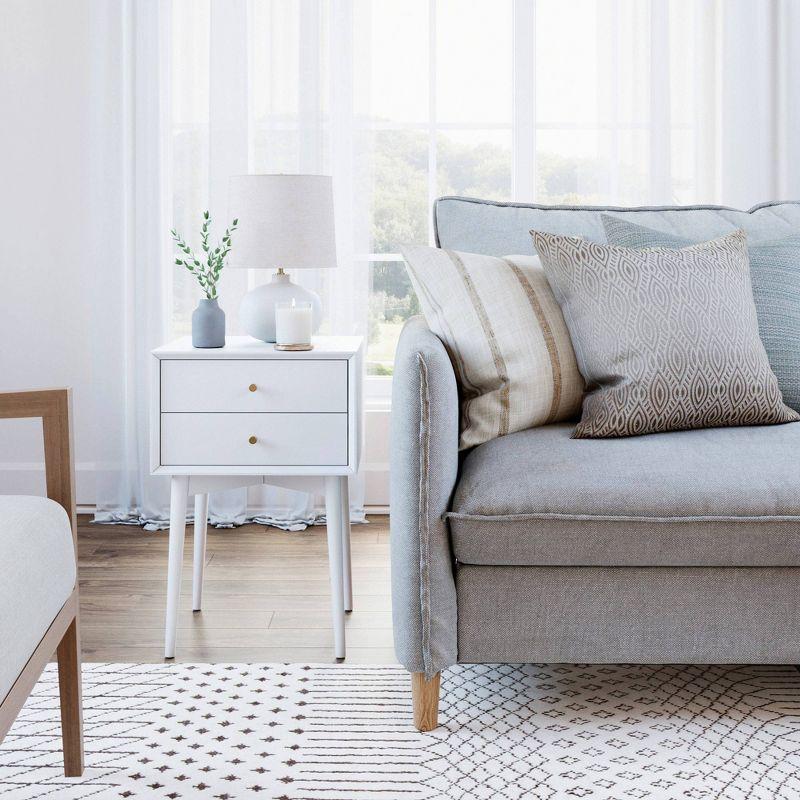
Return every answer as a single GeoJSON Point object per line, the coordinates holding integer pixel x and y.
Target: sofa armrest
{"type": "Point", "coordinates": [424, 469]}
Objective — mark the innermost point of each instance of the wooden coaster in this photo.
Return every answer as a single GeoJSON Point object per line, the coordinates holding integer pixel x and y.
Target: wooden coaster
{"type": "Point", "coordinates": [294, 347]}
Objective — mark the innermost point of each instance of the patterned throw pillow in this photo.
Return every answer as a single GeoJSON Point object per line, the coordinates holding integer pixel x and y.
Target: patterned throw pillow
{"type": "Point", "coordinates": [666, 339]}
{"type": "Point", "coordinates": [775, 275]}
{"type": "Point", "coordinates": [506, 336]}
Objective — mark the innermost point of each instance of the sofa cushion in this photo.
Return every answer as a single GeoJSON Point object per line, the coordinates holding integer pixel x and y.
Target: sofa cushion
{"type": "Point", "coordinates": [775, 275]}
{"type": "Point", "coordinates": [506, 336]}
{"type": "Point", "coordinates": [37, 575]}
{"type": "Point", "coordinates": [666, 338]}
{"type": "Point", "coordinates": [486, 226]}
{"type": "Point", "coordinates": [713, 497]}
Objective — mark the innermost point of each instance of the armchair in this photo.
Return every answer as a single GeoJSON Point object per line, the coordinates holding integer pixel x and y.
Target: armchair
{"type": "Point", "coordinates": [38, 577]}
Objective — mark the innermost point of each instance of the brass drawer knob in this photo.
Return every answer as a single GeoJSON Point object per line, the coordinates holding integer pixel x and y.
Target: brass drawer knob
{"type": "Point", "coordinates": [252, 387]}
{"type": "Point", "coordinates": [252, 440]}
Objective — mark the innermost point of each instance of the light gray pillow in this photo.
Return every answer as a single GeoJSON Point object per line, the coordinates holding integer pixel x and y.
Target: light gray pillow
{"type": "Point", "coordinates": [665, 339]}
{"type": "Point", "coordinates": [775, 275]}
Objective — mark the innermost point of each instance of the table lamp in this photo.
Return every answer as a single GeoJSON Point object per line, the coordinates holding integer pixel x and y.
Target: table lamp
{"type": "Point", "coordinates": [285, 222]}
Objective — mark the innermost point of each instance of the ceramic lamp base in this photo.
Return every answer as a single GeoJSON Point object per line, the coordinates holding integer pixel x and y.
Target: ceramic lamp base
{"type": "Point", "coordinates": [257, 311]}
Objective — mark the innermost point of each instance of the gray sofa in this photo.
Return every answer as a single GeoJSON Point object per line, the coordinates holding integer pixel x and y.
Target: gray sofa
{"type": "Point", "coordinates": [677, 547]}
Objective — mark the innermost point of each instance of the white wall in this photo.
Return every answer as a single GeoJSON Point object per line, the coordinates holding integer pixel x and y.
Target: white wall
{"type": "Point", "coordinates": [59, 210]}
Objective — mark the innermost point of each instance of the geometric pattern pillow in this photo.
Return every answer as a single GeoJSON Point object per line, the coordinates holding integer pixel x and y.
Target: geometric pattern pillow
{"type": "Point", "coordinates": [666, 339]}
{"type": "Point", "coordinates": [505, 335]}
{"type": "Point", "coordinates": [775, 275]}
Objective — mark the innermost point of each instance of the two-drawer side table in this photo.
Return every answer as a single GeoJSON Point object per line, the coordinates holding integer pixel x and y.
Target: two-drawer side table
{"type": "Point", "coordinates": [247, 414]}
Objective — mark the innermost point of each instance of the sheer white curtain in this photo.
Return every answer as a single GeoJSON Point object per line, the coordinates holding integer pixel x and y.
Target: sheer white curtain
{"type": "Point", "coordinates": [273, 72]}
{"type": "Point", "coordinates": [625, 102]}
{"type": "Point", "coordinates": [218, 88]}
{"type": "Point", "coordinates": [657, 102]}
{"type": "Point", "coordinates": [132, 290]}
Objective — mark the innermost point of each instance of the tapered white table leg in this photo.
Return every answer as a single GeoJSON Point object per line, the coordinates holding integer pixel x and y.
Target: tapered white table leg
{"type": "Point", "coordinates": [333, 513]}
{"type": "Point", "coordinates": [200, 530]}
{"type": "Point", "coordinates": [346, 563]}
{"type": "Point", "coordinates": [179, 489]}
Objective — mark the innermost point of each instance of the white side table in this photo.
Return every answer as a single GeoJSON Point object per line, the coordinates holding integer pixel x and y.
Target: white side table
{"type": "Point", "coordinates": [247, 414]}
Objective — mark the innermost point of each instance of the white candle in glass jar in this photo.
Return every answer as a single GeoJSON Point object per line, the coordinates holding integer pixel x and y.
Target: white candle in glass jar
{"type": "Point", "coordinates": [293, 323]}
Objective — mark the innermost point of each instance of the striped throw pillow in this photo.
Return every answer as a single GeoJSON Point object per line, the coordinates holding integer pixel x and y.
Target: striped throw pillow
{"type": "Point", "coordinates": [506, 337]}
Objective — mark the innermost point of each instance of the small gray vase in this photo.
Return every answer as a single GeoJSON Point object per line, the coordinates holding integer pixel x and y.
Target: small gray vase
{"type": "Point", "coordinates": [208, 324]}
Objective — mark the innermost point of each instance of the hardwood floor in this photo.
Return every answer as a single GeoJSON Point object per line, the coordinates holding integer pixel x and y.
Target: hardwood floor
{"type": "Point", "coordinates": [266, 596]}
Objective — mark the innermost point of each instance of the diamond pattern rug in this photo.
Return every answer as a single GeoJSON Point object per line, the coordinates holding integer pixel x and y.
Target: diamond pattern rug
{"type": "Point", "coordinates": [339, 732]}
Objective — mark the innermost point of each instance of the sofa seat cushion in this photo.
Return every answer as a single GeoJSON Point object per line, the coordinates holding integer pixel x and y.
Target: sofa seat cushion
{"type": "Point", "coordinates": [37, 575]}
{"type": "Point", "coordinates": [713, 497]}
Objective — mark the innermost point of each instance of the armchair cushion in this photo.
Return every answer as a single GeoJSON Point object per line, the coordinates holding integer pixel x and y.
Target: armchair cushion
{"type": "Point", "coordinates": [37, 576]}
{"type": "Point", "coordinates": [714, 497]}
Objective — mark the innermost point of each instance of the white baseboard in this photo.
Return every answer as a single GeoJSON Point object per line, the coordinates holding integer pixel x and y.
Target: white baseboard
{"type": "Point", "coordinates": [377, 511]}
{"type": "Point", "coordinates": [27, 477]}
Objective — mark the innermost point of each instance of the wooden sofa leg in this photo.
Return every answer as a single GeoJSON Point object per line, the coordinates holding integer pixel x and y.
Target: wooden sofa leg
{"type": "Point", "coordinates": [425, 694]}
{"type": "Point", "coordinates": [69, 687]}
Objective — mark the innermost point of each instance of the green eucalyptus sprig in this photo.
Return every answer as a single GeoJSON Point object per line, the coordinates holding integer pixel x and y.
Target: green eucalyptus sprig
{"type": "Point", "coordinates": [207, 271]}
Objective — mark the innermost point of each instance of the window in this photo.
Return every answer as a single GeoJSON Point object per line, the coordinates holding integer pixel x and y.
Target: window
{"type": "Point", "coordinates": [439, 121]}
{"type": "Point", "coordinates": [481, 98]}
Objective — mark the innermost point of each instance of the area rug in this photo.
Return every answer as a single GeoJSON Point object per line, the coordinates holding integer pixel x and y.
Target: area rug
{"type": "Point", "coordinates": [328, 732]}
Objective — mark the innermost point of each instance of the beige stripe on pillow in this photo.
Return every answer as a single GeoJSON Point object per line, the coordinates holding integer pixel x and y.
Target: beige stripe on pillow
{"type": "Point", "coordinates": [504, 330]}
{"type": "Point", "coordinates": [497, 356]}
{"type": "Point", "coordinates": [547, 333]}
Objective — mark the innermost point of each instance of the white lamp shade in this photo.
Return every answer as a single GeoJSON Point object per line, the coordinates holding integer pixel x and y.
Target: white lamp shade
{"type": "Point", "coordinates": [284, 221]}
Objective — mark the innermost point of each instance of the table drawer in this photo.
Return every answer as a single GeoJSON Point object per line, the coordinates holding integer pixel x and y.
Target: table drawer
{"type": "Point", "coordinates": [255, 385]}
{"type": "Point", "coordinates": [280, 439]}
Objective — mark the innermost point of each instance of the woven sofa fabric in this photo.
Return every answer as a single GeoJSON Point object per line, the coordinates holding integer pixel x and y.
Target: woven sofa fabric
{"type": "Point", "coordinates": [492, 228]}
{"type": "Point", "coordinates": [628, 615]}
{"type": "Point", "coordinates": [506, 336]}
{"type": "Point", "coordinates": [424, 446]}
{"type": "Point", "coordinates": [666, 339]}
{"type": "Point", "coordinates": [37, 575]}
{"type": "Point", "coordinates": [713, 497]}
{"type": "Point", "coordinates": [775, 277]}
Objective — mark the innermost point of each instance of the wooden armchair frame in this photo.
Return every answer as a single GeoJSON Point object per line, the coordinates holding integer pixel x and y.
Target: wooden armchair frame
{"type": "Point", "coordinates": [62, 637]}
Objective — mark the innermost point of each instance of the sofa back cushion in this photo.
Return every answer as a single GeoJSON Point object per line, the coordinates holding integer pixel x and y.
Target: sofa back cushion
{"type": "Point", "coordinates": [505, 335]}
{"type": "Point", "coordinates": [775, 275]}
{"type": "Point", "coordinates": [483, 226]}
